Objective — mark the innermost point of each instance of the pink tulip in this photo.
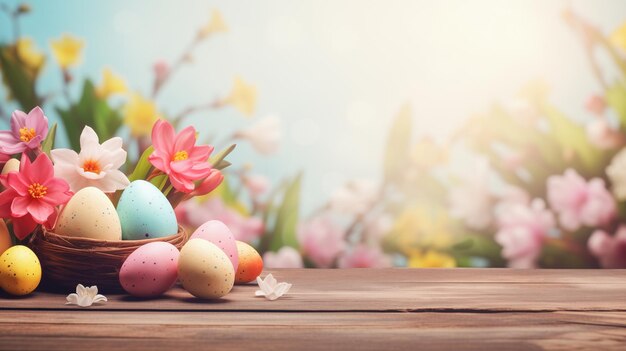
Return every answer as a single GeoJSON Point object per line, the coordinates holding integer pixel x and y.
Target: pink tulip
{"type": "Point", "coordinates": [286, 257]}
{"type": "Point", "coordinates": [161, 70]}
{"type": "Point", "coordinates": [321, 240]}
{"type": "Point", "coordinates": [32, 194]}
{"type": "Point", "coordinates": [610, 251]}
{"type": "Point", "coordinates": [522, 231]}
{"type": "Point", "coordinates": [177, 155]}
{"type": "Point", "coordinates": [27, 132]}
{"type": "Point", "coordinates": [363, 256]}
{"type": "Point", "coordinates": [194, 214]}
{"type": "Point", "coordinates": [212, 181]}
{"type": "Point", "coordinates": [579, 202]}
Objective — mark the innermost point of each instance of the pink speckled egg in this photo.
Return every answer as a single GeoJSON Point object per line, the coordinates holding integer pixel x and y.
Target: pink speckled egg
{"type": "Point", "coordinates": [219, 234]}
{"type": "Point", "coordinates": [150, 270]}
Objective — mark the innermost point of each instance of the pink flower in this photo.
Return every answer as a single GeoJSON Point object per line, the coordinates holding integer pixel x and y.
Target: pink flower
{"type": "Point", "coordinates": [161, 70]}
{"type": "Point", "coordinates": [602, 135]}
{"type": "Point", "coordinates": [286, 257]}
{"type": "Point", "coordinates": [321, 240]}
{"type": "Point", "coordinates": [27, 132]}
{"type": "Point", "coordinates": [610, 251]}
{"type": "Point", "coordinates": [32, 194]}
{"type": "Point", "coordinates": [596, 105]}
{"type": "Point", "coordinates": [522, 230]}
{"type": "Point", "coordinates": [579, 202]}
{"type": "Point", "coordinates": [256, 184]}
{"type": "Point", "coordinates": [212, 181]}
{"type": "Point", "coordinates": [363, 256]}
{"type": "Point", "coordinates": [178, 157]}
{"type": "Point", "coordinates": [196, 213]}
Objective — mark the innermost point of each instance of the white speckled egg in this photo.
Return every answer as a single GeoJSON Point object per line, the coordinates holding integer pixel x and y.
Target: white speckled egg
{"type": "Point", "coordinates": [150, 270]}
{"type": "Point", "coordinates": [204, 270]}
{"type": "Point", "coordinates": [145, 212]}
{"type": "Point", "coordinates": [89, 214]}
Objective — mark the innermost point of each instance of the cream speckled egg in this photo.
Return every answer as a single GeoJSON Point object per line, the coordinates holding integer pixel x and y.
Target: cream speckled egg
{"type": "Point", "coordinates": [89, 214]}
{"type": "Point", "coordinates": [204, 270]}
{"type": "Point", "coordinates": [12, 165]}
{"type": "Point", "coordinates": [20, 271]}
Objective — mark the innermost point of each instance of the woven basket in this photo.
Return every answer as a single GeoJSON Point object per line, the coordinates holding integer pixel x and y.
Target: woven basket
{"type": "Point", "coordinates": [68, 261]}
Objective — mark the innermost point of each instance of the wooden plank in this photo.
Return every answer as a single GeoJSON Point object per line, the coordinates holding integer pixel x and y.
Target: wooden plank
{"type": "Point", "coordinates": [393, 290]}
{"type": "Point", "coordinates": [93, 330]}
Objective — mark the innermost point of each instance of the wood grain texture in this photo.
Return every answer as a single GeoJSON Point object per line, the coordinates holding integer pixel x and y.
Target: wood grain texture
{"type": "Point", "coordinates": [429, 309]}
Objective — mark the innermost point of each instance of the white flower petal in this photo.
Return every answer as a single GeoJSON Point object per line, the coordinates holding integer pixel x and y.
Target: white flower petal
{"type": "Point", "coordinates": [64, 157]}
{"type": "Point", "coordinates": [88, 137]}
{"type": "Point", "coordinates": [85, 301]}
{"type": "Point", "coordinates": [113, 144]}
{"type": "Point", "coordinates": [100, 298]}
{"type": "Point", "coordinates": [259, 293]}
{"type": "Point", "coordinates": [72, 299]}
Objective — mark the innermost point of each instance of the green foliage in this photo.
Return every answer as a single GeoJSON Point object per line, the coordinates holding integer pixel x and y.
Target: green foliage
{"type": "Point", "coordinates": [90, 110]}
{"type": "Point", "coordinates": [48, 143]}
{"type": "Point", "coordinates": [143, 165]}
{"type": "Point", "coordinates": [218, 160]}
{"type": "Point", "coordinates": [285, 226]}
{"type": "Point", "coordinates": [18, 78]}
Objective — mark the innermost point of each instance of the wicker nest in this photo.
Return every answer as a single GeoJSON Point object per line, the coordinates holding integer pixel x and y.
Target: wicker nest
{"type": "Point", "coordinates": [67, 261]}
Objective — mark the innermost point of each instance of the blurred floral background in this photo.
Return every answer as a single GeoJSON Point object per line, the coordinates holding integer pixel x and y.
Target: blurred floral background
{"type": "Point", "coordinates": [368, 134]}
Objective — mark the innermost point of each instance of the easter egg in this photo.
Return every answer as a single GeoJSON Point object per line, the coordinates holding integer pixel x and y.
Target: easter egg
{"type": "Point", "coordinates": [219, 234]}
{"type": "Point", "coordinates": [204, 270]}
{"type": "Point", "coordinates": [12, 165]}
{"type": "Point", "coordinates": [145, 212]}
{"type": "Point", "coordinates": [250, 263]}
{"type": "Point", "coordinates": [20, 271]}
{"type": "Point", "coordinates": [5, 237]}
{"type": "Point", "coordinates": [150, 270]}
{"type": "Point", "coordinates": [89, 214]}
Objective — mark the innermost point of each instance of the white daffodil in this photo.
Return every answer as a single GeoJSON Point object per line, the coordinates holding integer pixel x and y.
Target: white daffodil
{"type": "Point", "coordinates": [97, 164]}
{"type": "Point", "coordinates": [264, 135]}
{"type": "Point", "coordinates": [270, 288]}
{"type": "Point", "coordinates": [85, 296]}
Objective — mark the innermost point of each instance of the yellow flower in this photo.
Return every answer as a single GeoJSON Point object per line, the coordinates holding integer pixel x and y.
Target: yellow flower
{"type": "Point", "coordinates": [111, 84]}
{"type": "Point", "coordinates": [430, 259]}
{"type": "Point", "coordinates": [139, 115]}
{"type": "Point", "coordinates": [67, 50]}
{"type": "Point", "coordinates": [28, 53]}
{"type": "Point", "coordinates": [242, 97]}
{"type": "Point", "coordinates": [427, 153]}
{"type": "Point", "coordinates": [618, 37]}
{"type": "Point", "coordinates": [216, 24]}
{"type": "Point", "coordinates": [421, 226]}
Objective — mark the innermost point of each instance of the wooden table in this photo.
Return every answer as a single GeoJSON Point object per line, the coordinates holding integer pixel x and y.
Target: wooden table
{"type": "Point", "coordinates": [366, 309]}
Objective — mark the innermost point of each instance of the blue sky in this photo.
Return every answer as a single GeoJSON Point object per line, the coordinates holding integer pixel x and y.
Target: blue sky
{"type": "Point", "coordinates": [334, 72]}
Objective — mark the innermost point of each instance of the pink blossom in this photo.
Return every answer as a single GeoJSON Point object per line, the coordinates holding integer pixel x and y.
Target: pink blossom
{"type": "Point", "coordinates": [579, 202]}
{"type": "Point", "coordinates": [363, 256]}
{"type": "Point", "coordinates": [286, 257]}
{"type": "Point", "coordinates": [610, 251]}
{"type": "Point", "coordinates": [602, 135]}
{"type": "Point", "coordinates": [212, 181]}
{"type": "Point", "coordinates": [194, 213]}
{"type": "Point", "coordinates": [256, 184]}
{"type": "Point", "coordinates": [178, 156]}
{"type": "Point", "coordinates": [161, 70]}
{"type": "Point", "coordinates": [32, 194]}
{"type": "Point", "coordinates": [321, 240]}
{"type": "Point", "coordinates": [596, 104]}
{"type": "Point", "coordinates": [27, 132]}
{"type": "Point", "coordinates": [522, 230]}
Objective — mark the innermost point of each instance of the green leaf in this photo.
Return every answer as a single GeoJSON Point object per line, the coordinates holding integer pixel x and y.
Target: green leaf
{"type": "Point", "coordinates": [159, 181]}
{"type": "Point", "coordinates": [216, 159]}
{"type": "Point", "coordinates": [616, 98]}
{"type": "Point", "coordinates": [48, 143]}
{"type": "Point", "coordinates": [228, 194]}
{"type": "Point", "coordinates": [398, 144]}
{"type": "Point", "coordinates": [143, 165]}
{"type": "Point", "coordinates": [19, 79]}
{"type": "Point", "coordinates": [222, 164]}
{"type": "Point", "coordinates": [287, 217]}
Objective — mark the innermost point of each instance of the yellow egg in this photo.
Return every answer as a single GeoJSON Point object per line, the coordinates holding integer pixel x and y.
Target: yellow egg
{"type": "Point", "coordinates": [89, 214]}
{"type": "Point", "coordinates": [20, 271]}
{"type": "Point", "coordinates": [204, 269]}
{"type": "Point", "coordinates": [12, 165]}
{"type": "Point", "coordinates": [5, 237]}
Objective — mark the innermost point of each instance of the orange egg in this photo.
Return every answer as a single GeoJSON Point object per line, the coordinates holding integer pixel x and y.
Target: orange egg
{"type": "Point", "coordinates": [250, 263]}
{"type": "Point", "coordinates": [5, 237]}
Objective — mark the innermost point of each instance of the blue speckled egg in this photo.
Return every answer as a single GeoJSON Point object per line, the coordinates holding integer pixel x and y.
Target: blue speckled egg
{"type": "Point", "coordinates": [145, 212]}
